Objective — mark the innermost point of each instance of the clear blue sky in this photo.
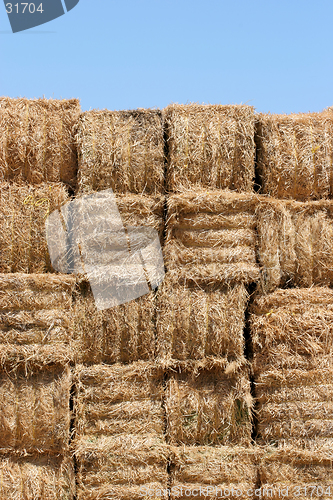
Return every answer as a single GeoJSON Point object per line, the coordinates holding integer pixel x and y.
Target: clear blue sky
{"type": "Point", "coordinates": [275, 55]}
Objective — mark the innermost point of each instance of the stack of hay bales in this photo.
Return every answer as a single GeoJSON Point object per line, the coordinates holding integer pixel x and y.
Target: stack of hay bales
{"type": "Point", "coordinates": [124, 151]}
{"type": "Point", "coordinates": [119, 440]}
{"type": "Point", "coordinates": [38, 168]}
{"type": "Point", "coordinates": [291, 318]}
{"type": "Point", "coordinates": [210, 259]}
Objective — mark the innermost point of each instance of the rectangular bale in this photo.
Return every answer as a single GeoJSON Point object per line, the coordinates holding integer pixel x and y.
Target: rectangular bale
{"type": "Point", "coordinates": [23, 212]}
{"type": "Point", "coordinates": [119, 399]}
{"type": "Point", "coordinates": [294, 155]}
{"type": "Point", "coordinates": [214, 472]}
{"type": "Point", "coordinates": [122, 468]}
{"type": "Point", "coordinates": [211, 236]}
{"type": "Point", "coordinates": [292, 473]}
{"type": "Point", "coordinates": [36, 318]}
{"type": "Point", "coordinates": [124, 333]}
{"type": "Point", "coordinates": [200, 323]}
{"type": "Point", "coordinates": [208, 408]}
{"type": "Point", "coordinates": [210, 146]}
{"type": "Point", "coordinates": [37, 140]}
{"type": "Point", "coordinates": [295, 243]}
{"type": "Point", "coordinates": [122, 150]}
{"type": "Point", "coordinates": [294, 408]}
{"type": "Point", "coordinates": [37, 477]}
{"type": "Point", "coordinates": [292, 329]}
{"type": "Point", "coordinates": [34, 410]}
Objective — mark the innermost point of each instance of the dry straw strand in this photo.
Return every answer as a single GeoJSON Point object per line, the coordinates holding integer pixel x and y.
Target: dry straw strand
{"type": "Point", "coordinates": [38, 140]}
{"type": "Point", "coordinates": [122, 150]}
{"type": "Point", "coordinates": [210, 146]}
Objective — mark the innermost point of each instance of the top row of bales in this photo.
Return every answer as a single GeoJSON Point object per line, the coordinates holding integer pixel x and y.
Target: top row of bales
{"type": "Point", "coordinates": [183, 147]}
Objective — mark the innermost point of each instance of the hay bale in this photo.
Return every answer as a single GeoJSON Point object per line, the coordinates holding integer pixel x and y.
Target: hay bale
{"type": "Point", "coordinates": [210, 147]}
{"type": "Point", "coordinates": [37, 140]}
{"type": "Point", "coordinates": [211, 236]}
{"type": "Point", "coordinates": [23, 211]}
{"type": "Point", "coordinates": [122, 150]}
{"type": "Point", "coordinates": [121, 467]}
{"type": "Point", "coordinates": [119, 399]}
{"type": "Point", "coordinates": [209, 408]}
{"type": "Point", "coordinates": [200, 323]}
{"type": "Point", "coordinates": [292, 329]}
{"type": "Point", "coordinates": [34, 410]}
{"type": "Point", "coordinates": [140, 210]}
{"type": "Point", "coordinates": [35, 318]}
{"type": "Point", "coordinates": [124, 333]}
{"type": "Point", "coordinates": [293, 474]}
{"type": "Point", "coordinates": [295, 243]}
{"type": "Point", "coordinates": [294, 155]}
{"type": "Point", "coordinates": [216, 470]}
{"type": "Point", "coordinates": [37, 477]}
{"type": "Point", "coordinates": [294, 408]}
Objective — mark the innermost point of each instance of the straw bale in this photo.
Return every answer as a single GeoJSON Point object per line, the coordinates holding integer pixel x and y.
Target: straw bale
{"type": "Point", "coordinates": [122, 150]}
{"type": "Point", "coordinates": [293, 329]}
{"type": "Point", "coordinates": [208, 408]}
{"type": "Point", "coordinates": [23, 211]}
{"type": "Point", "coordinates": [295, 408]}
{"type": "Point", "coordinates": [295, 243]}
{"type": "Point", "coordinates": [37, 140]}
{"type": "Point", "coordinates": [215, 470]}
{"type": "Point", "coordinates": [211, 236]}
{"type": "Point", "coordinates": [197, 323]}
{"type": "Point", "coordinates": [34, 410]}
{"type": "Point", "coordinates": [210, 146]}
{"type": "Point", "coordinates": [35, 317]}
{"type": "Point", "coordinates": [119, 399]}
{"type": "Point", "coordinates": [140, 210]}
{"type": "Point", "coordinates": [291, 473]}
{"type": "Point", "coordinates": [294, 155]}
{"type": "Point", "coordinates": [120, 467]}
{"type": "Point", "coordinates": [124, 333]}
{"type": "Point", "coordinates": [37, 477]}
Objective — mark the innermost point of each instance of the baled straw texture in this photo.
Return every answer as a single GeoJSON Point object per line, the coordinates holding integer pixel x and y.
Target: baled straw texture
{"type": "Point", "coordinates": [37, 477]}
{"type": "Point", "coordinates": [293, 474]}
{"type": "Point", "coordinates": [23, 211]}
{"type": "Point", "coordinates": [124, 333]}
{"type": "Point", "coordinates": [119, 399]}
{"type": "Point", "coordinates": [293, 346]}
{"type": "Point", "coordinates": [295, 243]}
{"type": "Point", "coordinates": [295, 154]}
{"type": "Point", "coordinates": [122, 150]}
{"type": "Point", "coordinates": [37, 140]}
{"type": "Point", "coordinates": [200, 323]}
{"type": "Point", "coordinates": [36, 318]}
{"type": "Point", "coordinates": [140, 210]}
{"type": "Point", "coordinates": [120, 467]}
{"type": "Point", "coordinates": [210, 147]}
{"type": "Point", "coordinates": [209, 408]}
{"type": "Point", "coordinates": [211, 236]}
{"type": "Point", "coordinates": [216, 470]}
{"type": "Point", "coordinates": [34, 410]}
{"type": "Point", "coordinates": [295, 409]}
{"type": "Point", "coordinates": [292, 329]}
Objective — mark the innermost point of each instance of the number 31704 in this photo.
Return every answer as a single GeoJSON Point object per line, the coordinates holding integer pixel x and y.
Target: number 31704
{"type": "Point", "coordinates": [28, 8]}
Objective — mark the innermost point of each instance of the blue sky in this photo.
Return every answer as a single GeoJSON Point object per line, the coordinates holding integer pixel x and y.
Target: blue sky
{"type": "Point", "coordinates": [274, 55]}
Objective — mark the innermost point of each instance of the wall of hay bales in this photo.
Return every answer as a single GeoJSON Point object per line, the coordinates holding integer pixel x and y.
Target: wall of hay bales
{"type": "Point", "coordinates": [221, 378]}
